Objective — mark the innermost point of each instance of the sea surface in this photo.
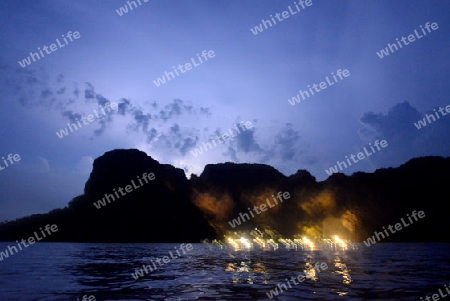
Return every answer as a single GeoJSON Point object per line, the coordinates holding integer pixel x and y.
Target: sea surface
{"type": "Point", "coordinates": [69, 271]}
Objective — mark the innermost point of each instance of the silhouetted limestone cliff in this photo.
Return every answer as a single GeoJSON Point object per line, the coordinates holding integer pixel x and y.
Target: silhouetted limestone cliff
{"type": "Point", "coordinates": [157, 211]}
{"type": "Point", "coordinates": [354, 206]}
{"type": "Point", "coordinates": [171, 208]}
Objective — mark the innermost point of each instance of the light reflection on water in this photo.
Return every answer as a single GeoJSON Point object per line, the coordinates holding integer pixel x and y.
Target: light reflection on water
{"type": "Point", "coordinates": [67, 271]}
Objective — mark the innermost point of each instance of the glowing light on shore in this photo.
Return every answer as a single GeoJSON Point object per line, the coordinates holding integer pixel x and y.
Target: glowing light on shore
{"type": "Point", "coordinates": [233, 243]}
{"type": "Point", "coordinates": [255, 240]}
{"type": "Point", "coordinates": [260, 242]}
{"type": "Point", "coordinates": [273, 244]}
{"type": "Point", "coordinates": [246, 242]}
{"type": "Point", "coordinates": [288, 243]}
{"type": "Point", "coordinates": [308, 242]}
{"type": "Point", "coordinates": [340, 242]}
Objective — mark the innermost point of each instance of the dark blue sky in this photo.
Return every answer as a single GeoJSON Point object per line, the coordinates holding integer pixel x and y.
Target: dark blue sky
{"type": "Point", "coordinates": [250, 78]}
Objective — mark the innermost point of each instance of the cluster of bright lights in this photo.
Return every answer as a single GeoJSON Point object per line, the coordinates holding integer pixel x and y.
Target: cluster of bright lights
{"type": "Point", "coordinates": [232, 242]}
{"type": "Point", "coordinates": [340, 242]}
{"type": "Point", "coordinates": [257, 240]}
{"type": "Point", "coordinates": [246, 242]}
{"type": "Point", "coordinates": [308, 242]}
{"type": "Point", "coordinates": [239, 243]}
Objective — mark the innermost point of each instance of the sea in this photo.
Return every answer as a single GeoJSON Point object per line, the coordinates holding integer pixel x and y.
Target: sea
{"type": "Point", "coordinates": [204, 271]}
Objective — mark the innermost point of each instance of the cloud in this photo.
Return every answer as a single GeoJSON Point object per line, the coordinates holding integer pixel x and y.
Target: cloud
{"type": "Point", "coordinates": [187, 144]}
{"type": "Point", "coordinates": [141, 120]}
{"type": "Point", "coordinates": [104, 121]}
{"type": "Point", "coordinates": [397, 124]}
{"type": "Point", "coordinates": [89, 92]}
{"type": "Point", "coordinates": [73, 117]}
{"type": "Point", "coordinates": [46, 93]}
{"type": "Point", "coordinates": [286, 141]}
{"type": "Point", "coordinates": [246, 141]}
{"type": "Point", "coordinates": [76, 92]}
{"type": "Point", "coordinates": [178, 139]}
{"type": "Point", "coordinates": [175, 108]}
{"type": "Point", "coordinates": [151, 136]}
{"type": "Point", "coordinates": [286, 151]}
{"type": "Point", "coordinates": [102, 101]}
{"type": "Point", "coordinates": [175, 138]}
{"type": "Point", "coordinates": [123, 106]}
{"type": "Point", "coordinates": [60, 78]}
{"type": "Point", "coordinates": [182, 143]}
{"type": "Point", "coordinates": [404, 139]}
{"type": "Point", "coordinates": [231, 152]}
{"type": "Point", "coordinates": [61, 91]}
{"type": "Point", "coordinates": [205, 111]}
{"type": "Point", "coordinates": [149, 121]}
{"type": "Point", "coordinates": [289, 151]}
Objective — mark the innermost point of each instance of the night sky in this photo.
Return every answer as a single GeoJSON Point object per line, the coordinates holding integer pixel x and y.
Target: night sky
{"type": "Point", "coordinates": [249, 78]}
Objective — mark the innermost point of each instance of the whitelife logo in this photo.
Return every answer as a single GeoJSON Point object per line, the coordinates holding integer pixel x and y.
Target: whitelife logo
{"type": "Point", "coordinates": [198, 151]}
{"type": "Point", "coordinates": [371, 240]}
{"type": "Point", "coordinates": [31, 240]}
{"type": "Point", "coordinates": [165, 259]}
{"type": "Point", "coordinates": [86, 298]}
{"type": "Point", "coordinates": [123, 10]}
{"type": "Point", "coordinates": [430, 118]}
{"type": "Point", "coordinates": [128, 189]}
{"type": "Point", "coordinates": [322, 85]}
{"type": "Point", "coordinates": [437, 297]}
{"type": "Point", "coordinates": [301, 277]}
{"type": "Point", "coordinates": [411, 38]}
{"type": "Point", "coordinates": [162, 80]}
{"type": "Point", "coordinates": [280, 195]}
{"type": "Point", "coordinates": [360, 156]}
{"type": "Point", "coordinates": [53, 48]}
{"type": "Point", "coordinates": [10, 158]}
{"type": "Point", "coordinates": [284, 15]}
